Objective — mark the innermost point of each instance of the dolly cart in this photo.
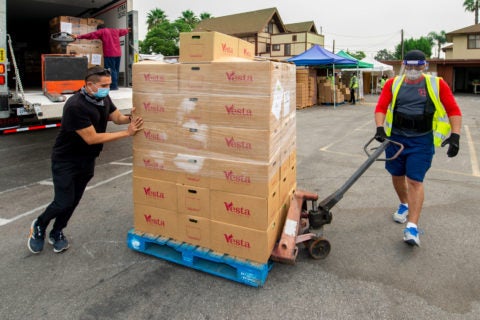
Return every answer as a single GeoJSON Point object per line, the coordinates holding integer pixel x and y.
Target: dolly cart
{"type": "Point", "coordinates": [304, 222]}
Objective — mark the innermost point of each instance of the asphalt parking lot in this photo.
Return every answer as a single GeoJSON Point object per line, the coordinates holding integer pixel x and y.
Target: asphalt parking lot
{"type": "Point", "coordinates": [369, 274]}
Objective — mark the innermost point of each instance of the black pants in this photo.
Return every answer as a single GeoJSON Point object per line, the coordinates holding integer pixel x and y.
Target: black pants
{"type": "Point", "coordinates": [352, 95]}
{"type": "Point", "coordinates": [69, 181]}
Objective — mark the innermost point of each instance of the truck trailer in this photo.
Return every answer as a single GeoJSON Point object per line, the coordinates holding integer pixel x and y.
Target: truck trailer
{"type": "Point", "coordinates": [28, 69]}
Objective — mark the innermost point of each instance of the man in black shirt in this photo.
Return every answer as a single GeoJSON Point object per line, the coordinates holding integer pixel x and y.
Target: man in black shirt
{"type": "Point", "coordinates": [78, 144]}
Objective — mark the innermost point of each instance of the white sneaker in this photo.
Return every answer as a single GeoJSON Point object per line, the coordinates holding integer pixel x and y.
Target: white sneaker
{"type": "Point", "coordinates": [410, 236]}
{"type": "Point", "coordinates": [400, 216]}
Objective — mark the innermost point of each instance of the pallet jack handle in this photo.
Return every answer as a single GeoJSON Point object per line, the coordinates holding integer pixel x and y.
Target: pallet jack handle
{"type": "Point", "coordinates": [323, 215]}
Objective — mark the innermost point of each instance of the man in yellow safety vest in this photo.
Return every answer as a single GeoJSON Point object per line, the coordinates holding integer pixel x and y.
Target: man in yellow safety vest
{"type": "Point", "coordinates": [420, 112]}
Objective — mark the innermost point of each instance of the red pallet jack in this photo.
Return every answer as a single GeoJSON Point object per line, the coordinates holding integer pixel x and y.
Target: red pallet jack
{"type": "Point", "coordinates": [305, 220]}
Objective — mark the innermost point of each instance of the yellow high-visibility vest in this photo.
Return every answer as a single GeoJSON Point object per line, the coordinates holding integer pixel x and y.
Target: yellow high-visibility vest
{"type": "Point", "coordinates": [440, 123]}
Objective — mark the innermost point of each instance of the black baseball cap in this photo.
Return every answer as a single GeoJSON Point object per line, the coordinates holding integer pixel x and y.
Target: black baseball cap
{"type": "Point", "coordinates": [414, 57]}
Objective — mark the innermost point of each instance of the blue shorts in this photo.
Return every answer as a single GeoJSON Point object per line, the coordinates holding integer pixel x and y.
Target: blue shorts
{"type": "Point", "coordinates": [415, 159]}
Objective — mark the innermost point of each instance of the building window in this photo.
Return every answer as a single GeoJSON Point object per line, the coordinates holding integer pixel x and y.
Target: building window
{"type": "Point", "coordinates": [294, 38]}
{"type": "Point", "coordinates": [269, 27]}
{"type": "Point", "coordinates": [276, 47]}
{"type": "Point", "coordinates": [473, 41]}
{"type": "Point", "coordinates": [287, 50]}
{"type": "Point", "coordinates": [268, 47]}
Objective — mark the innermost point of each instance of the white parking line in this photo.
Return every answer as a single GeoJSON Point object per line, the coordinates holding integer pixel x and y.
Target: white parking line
{"type": "Point", "coordinates": [473, 154]}
{"type": "Point", "coordinates": [42, 207]}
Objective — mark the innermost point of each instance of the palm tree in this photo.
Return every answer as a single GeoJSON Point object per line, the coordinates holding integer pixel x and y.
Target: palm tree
{"type": "Point", "coordinates": [205, 15]}
{"type": "Point", "coordinates": [439, 39]}
{"type": "Point", "coordinates": [155, 17]}
{"type": "Point", "coordinates": [472, 6]}
{"type": "Point", "coordinates": [189, 18]}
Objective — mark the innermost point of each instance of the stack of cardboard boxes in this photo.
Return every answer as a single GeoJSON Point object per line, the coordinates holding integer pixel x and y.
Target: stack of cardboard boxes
{"type": "Point", "coordinates": [214, 165]}
{"type": "Point", "coordinates": [92, 49]}
{"type": "Point", "coordinates": [306, 87]}
{"type": "Point", "coordinates": [330, 92]}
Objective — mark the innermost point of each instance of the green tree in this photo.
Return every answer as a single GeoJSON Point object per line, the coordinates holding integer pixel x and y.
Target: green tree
{"type": "Point", "coordinates": [423, 44]}
{"type": "Point", "coordinates": [155, 17]}
{"type": "Point", "coordinates": [472, 6]}
{"type": "Point", "coordinates": [188, 20]}
{"type": "Point", "coordinates": [205, 15]}
{"type": "Point", "coordinates": [359, 55]}
{"type": "Point", "coordinates": [384, 54]}
{"type": "Point", "coordinates": [439, 39]}
{"type": "Point", "coordinates": [162, 38]}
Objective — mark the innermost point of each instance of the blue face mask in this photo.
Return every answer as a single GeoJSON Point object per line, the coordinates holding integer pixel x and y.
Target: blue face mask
{"type": "Point", "coordinates": [101, 93]}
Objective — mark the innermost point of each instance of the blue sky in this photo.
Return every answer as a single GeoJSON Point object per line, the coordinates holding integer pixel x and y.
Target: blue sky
{"type": "Point", "coordinates": [367, 25]}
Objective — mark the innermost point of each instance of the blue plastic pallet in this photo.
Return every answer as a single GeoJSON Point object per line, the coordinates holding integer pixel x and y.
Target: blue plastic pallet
{"type": "Point", "coordinates": [200, 258]}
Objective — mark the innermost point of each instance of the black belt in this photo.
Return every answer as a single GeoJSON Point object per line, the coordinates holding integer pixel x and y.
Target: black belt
{"type": "Point", "coordinates": [418, 123]}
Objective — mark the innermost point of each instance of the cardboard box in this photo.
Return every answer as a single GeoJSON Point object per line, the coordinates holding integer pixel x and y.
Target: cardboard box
{"type": "Point", "coordinates": [249, 78]}
{"type": "Point", "coordinates": [246, 243]}
{"type": "Point", "coordinates": [193, 200]}
{"type": "Point", "coordinates": [94, 22]}
{"type": "Point", "coordinates": [172, 108]}
{"type": "Point", "coordinates": [187, 169]}
{"type": "Point", "coordinates": [155, 77]}
{"type": "Point", "coordinates": [156, 106]}
{"type": "Point", "coordinates": [194, 230]}
{"type": "Point", "coordinates": [250, 112]}
{"type": "Point", "coordinates": [244, 210]}
{"type": "Point", "coordinates": [157, 136]}
{"type": "Point", "coordinates": [192, 169]}
{"type": "Point", "coordinates": [246, 49]}
{"type": "Point", "coordinates": [206, 46]}
{"type": "Point", "coordinates": [155, 221]}
{"type": "Point", "coordinates": [248, 144]}
{"type": "Point", "coordinates": [245, 177]}
{"type": "Point", "coordinates": [92, 49]}
{"type": "Point", "coordinates": [154, 164]}
{"type": "Point", "coordinates": [73, 25]}
{"type": "Point", "coordinates": [288, 182]}
{"type": "Point", "coordinates": [155, 193]}
{"type": "Point", "coordinates": [195, 78]}
{"type": "Point", "coordinates": [193, 136]}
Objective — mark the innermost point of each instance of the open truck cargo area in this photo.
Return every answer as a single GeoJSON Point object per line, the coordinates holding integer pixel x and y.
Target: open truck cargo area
{"type": "Point", "coordinates": [39, 71]}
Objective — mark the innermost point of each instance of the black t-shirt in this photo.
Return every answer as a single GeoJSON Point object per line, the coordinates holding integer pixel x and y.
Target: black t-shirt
{"type": "Point", "coordinates": [78, 113]}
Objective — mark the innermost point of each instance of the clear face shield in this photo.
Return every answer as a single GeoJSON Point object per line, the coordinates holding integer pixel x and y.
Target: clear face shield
{"type": "Point", "coordinates": [413, 69]}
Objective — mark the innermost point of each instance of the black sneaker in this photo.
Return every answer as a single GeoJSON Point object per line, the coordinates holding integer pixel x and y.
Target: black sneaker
{"type": "Point", "coordinates": [58, 240]}
{"type": "Point", "coordinates": [36, 238]}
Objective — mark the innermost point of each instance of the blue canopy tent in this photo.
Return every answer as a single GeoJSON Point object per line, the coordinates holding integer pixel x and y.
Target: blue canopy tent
{"type": "Point", "coordinates": [318, 56]}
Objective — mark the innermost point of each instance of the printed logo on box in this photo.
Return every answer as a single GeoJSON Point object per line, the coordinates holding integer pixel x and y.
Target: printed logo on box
{"type": "Point", "coordinates": [231, 110]}
{"type": "Point", "coordinates": [154, 221]}
{"type": "Point", "coordinates": [233, 76]}
{"type": "Point", "coordinates": [153, 194]}
{"type": "Point", "coordinates": [226, 49]}
{"type": "Point", "coordinates": [230, 176]}
{"type": "Point", "coordinates": [231, 143]}
{"type": "Point", "coordinates": [153, 77]}
{"type": "Point", "coordinates": [153, 164]}
{"type": "Point", "coordinates": [229, 207]}
{"type": "Point", "coordinates": [155, 136]}
{"type": "Point", "coordinates": [236, 242]}
{"type": "Point", "coordinates": [153, 107]}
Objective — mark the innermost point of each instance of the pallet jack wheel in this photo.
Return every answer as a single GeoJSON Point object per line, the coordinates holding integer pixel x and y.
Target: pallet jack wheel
{"type": "Point", "coordinates": [319, 248]}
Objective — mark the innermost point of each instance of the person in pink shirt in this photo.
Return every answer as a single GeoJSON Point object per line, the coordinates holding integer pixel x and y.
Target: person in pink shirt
{"type": "Point", "coordinates": [111, 48]}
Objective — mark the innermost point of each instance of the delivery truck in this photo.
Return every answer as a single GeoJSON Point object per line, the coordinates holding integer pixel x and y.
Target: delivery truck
{"type": "Point", "coordinates": [39, 70]}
